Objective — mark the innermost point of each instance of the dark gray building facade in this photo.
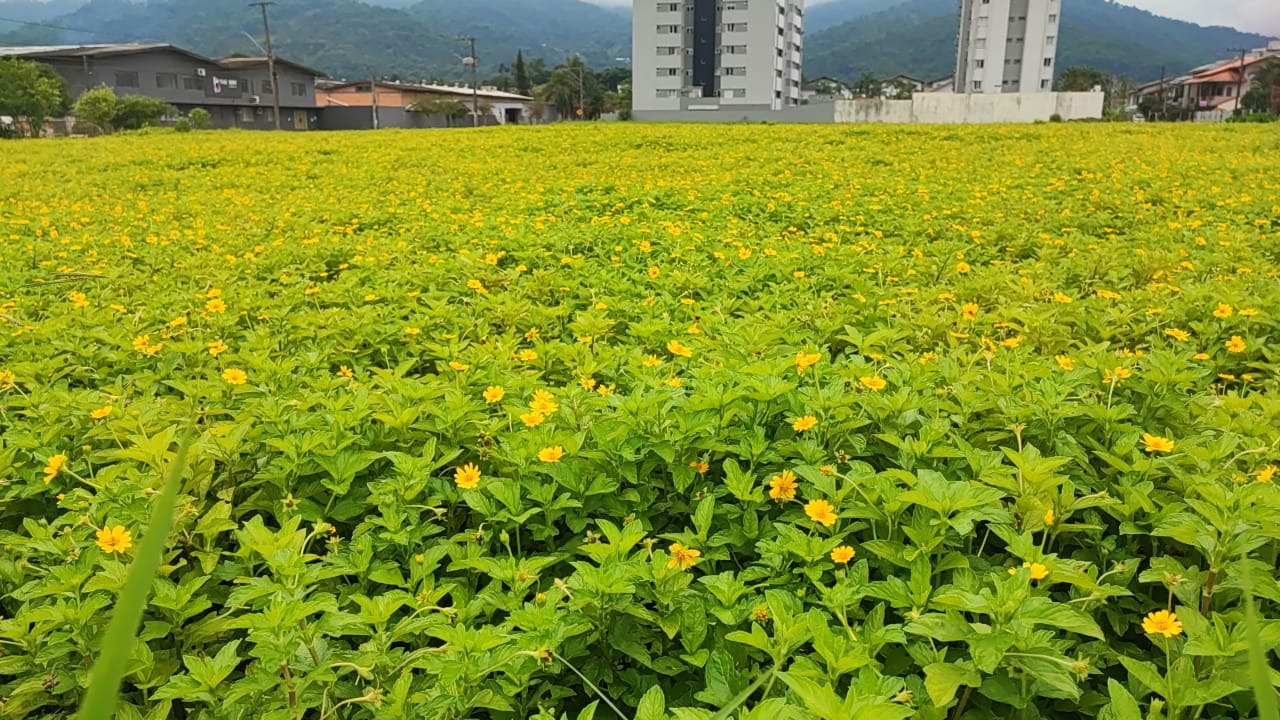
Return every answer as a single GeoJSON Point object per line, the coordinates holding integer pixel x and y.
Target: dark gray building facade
{"type": "Point", "coordinates": [237, 92]}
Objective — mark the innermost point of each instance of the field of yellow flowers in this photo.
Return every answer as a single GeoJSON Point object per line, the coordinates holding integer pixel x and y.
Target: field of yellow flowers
{"type": "Point", "coordinates": [647, 422]}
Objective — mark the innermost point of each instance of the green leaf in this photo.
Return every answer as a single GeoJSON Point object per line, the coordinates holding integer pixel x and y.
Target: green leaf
{"type": "Point", "coordinates": [652, 705]}
{"type": "Point", "coordinates": [1044, 611]}
{"type": "Point", "coordinates": [1123, 706]}
{"type": "Point", "coordinates": [1146, 674]}
{"type": "Point", "coordinates": [942, 680]}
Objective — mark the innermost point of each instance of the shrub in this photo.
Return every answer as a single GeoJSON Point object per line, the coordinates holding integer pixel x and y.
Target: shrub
{"type": "Point", "coordinates": [200, 119]}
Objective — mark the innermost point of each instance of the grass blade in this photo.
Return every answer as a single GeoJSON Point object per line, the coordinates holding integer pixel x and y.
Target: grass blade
{"type": "Point", "coordinates": [117, 643]}
{"type": "Point", "coordinates": [1259, 670]}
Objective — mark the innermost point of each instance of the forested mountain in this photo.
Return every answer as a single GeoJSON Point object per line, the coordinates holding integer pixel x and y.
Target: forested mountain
{"type": "Point", "coordinates": [418, 39]}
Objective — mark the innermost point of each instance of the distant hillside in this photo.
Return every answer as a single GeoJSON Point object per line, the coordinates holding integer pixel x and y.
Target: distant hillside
{"type": "Point", "coordinates": [346, 38]}
{"type": "Point", "coordinates": [918, 37]}
{"type": "Point", "coordinates": [418, 39]}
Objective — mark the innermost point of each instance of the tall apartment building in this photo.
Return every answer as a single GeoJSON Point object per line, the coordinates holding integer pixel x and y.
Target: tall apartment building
{"type": "Point", "coordinates": [714, 54]}
{"type": "Point", "coordinates": [1007, 46]}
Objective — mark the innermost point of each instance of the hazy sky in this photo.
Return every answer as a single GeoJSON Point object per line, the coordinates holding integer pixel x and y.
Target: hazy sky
{"type": "Point", "coordinates": [1261, 16]}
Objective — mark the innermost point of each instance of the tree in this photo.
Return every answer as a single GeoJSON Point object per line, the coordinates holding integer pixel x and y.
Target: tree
{"type": "Point", "coordinates": [1266, 88]}
{"type": "Point", "coordinates": [1082, 78]}
{"type": "Point", "coordinates": [523, 84]}
{"type": "Point", "coordinates": [28, 92]}
{"type": "Point", "coordinates": [200, 119]}
{"type": "Point", "coordinates": [867, 86]}
{"type": "Point", "coordinates": [450, 110]}
{"type": "Point", "coordinates": [98, 107]}
{"type": "Point", "coordinates": [573, 87]}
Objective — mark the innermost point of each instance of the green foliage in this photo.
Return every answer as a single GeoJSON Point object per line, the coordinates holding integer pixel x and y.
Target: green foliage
{"type": "Point", "coordinates": [524, 85]}
{"type": "Point", "coordinates": [983, 368]}
{"type": "Point", "coordinates": [1081, 78]}
{"type": "Point", "coordinates": [98, 108]}
{"type": "Point", "coordinates": [31, 93]}
{"type": "Point", "coordinates": [200, 119]}
{"type": "Point", "coordinates": [134, 112]}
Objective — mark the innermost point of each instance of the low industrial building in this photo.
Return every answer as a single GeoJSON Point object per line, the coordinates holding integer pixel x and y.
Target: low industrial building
{"type": "Point", "coordinates": [237, 92]}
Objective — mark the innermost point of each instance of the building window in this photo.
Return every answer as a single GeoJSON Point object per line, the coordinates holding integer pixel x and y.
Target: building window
{"type": "Point", "coordinates": [668, 72]}
{"type": "Point", "coordinates": [1044, 84]}
{"type": "Point", "coordinates": [1049, 40]}
{"type": "Point", "coordinates": [126, 79]}
{"type": "Point", "coordinates": [298, 89]}
{"type": "Point", "coordinates": [979, 63]}
{"type": "Point", "coordinates": [271, 115]}
{"type": "Point", "coordinates": [977, 84]}
{"type": "Point", "coordinates": [664, 50]}
{"type": "Point", "coordinates": [668, 29]}
{"type": "Point", "coordinates": [267, 89]}
{"type": "Point", "coordinates": [668, 7]}
{"type": "Point", "coordinates": [736, 71]}
{"type": "Point", "coordinates": [1053, 19]}
{"type": "Point", "coordinates": [735, 49]}
{"type": "Point", "coordinates": [167, 81]}
{"type": "Point", "coordinates": [190, 82]}
{"type": "Point", "coordinates": [245, 114]}
{"type": "Point", "coordinates": [736, 5]}
{"type": "Point", "coordinates": [735, 27]}
{"type": "Point", "coordinates": [668, 93]}
{"type": "Point", "coordinates": [1048, 62]}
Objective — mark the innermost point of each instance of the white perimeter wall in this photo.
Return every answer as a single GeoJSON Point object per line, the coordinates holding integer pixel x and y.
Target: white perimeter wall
{"type": "Point", "coordinates": [953, 108]}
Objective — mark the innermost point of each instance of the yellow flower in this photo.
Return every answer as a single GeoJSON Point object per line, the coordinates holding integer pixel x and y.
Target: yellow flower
{"type": "Point", "coordinates": [458, 366]}
{"type": "Point", "coordinates": [551, 454]}
{"type": "Point", "coordinates": [1249, 312]}
{"type": "Point", "coordinates": [1012, 342]}
{"type": "Point", "coordinates": [962, 268]}
{"type": "Point", "coordinates": [701, 466]}
{"type": "Point", "coordinates": [783, 486]}
{"type": "Point", "coordinates": [1155, 443]}
{"type": "Point", "coordinates": [7, 379]}
{"type": "Point", "coordinates": [651, 361]}
{"type": "Point", "coordinates": [842, 554]}
{"type": "Point", "coordinates": [114, 540]}
{"type": "Point", "coordinates": [527, 355]}
{"type": "Point", "coordinates": [1179, 335]}
{"type": "Point", "coordinates": [1048, 516]}
{"type": "Point", "coordinates": [808, 422]}
{"type": "Point", "coordinates": [821, 512]}
{"type": "Point", "coordinates": [411, 331]}
{"type": "Point", "coordinates": [675, 348]}
{"type": "Point", "coordinates": [1064, 362]}
{"type": "Point", "coordinates": [1108, 294]}
{"type": "Point", "coordinates": [805, 361]}
{"type": "Point", "coordinates": [1200, 356]}
{"type": "Point", "coordinates": [1061, 298]}
{"type": "Point", "coordinates": [969, 311]}
{"type": "Point", "coordinates": [78, 299]}
{"type": "Point", "coordinates": [493, 394]}
{"type": "Point", "coordinates": [533, 419]}
{"type": "Point", "coordinates": [217, 347]}
{"type": "Point", "coordinates": [53, 467]}
{"type": "Point", "coordinates": [1162, 622]}
{"type": "Point", "coordinates": [101, 413]}
{"type": "Point", "coordinates": [477, 286]}
{"type": "Point", "coordinates": [873, 383]}
{"type": "Point", "coordinates": [344, 371]}
{"type": "Point", "coordinates": [587, 384]}
{"type": "Point", "coordinates": [1223, 311]}
{"type": "Point", "coordinates": [1038, 571]}
{"type": "Point", "coordinates": [654, 272]}
{"type": "Point", "coordinates": [543, 403]}
{"type": "Point", "coordinates": [235, 376]}
{"type": "Point", "coordinates": [1236, 344]}
{"type": "Point", "coordinates": [683, 557]}
{"type": "Point", "coordinates": [1265, 475]}
{"type": "Point", "coordinates": [467, 477]}
{"type": "Point", "coordinates": [215, 306]}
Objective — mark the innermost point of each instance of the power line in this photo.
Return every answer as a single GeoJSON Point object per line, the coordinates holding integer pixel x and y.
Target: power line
{"type": "Point", "coordinates": [47, 25]}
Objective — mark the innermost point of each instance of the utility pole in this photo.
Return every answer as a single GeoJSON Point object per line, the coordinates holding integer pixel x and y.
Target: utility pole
{"type": "Point", "coordinates": [373, 92]}
{"type": "Point", "coordinates": [271, 59]}
{"type": "Point", "coordinates": [475, 82]}
{"type": "Point", "coordinates": [1240, 81]}
{"type": "Point", "coordinates": [1163, 104]}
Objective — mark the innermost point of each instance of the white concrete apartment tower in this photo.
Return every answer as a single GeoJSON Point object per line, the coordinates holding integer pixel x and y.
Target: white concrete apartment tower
{"type": "Point", "coordinates": [1007, 46]}
{"type": "Point", "coordinates": [716, 54]}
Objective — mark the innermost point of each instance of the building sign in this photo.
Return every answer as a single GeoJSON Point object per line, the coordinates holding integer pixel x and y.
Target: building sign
{"type": "Point", "coordinates": [220, 86]}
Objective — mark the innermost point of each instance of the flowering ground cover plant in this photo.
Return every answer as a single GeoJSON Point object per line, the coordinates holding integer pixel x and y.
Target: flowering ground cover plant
{"type": "Point", "coordinates": [652, 422]}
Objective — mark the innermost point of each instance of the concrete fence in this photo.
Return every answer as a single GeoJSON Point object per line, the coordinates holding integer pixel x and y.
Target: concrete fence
{"type": "Point", "coordinates": [955, 108]}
